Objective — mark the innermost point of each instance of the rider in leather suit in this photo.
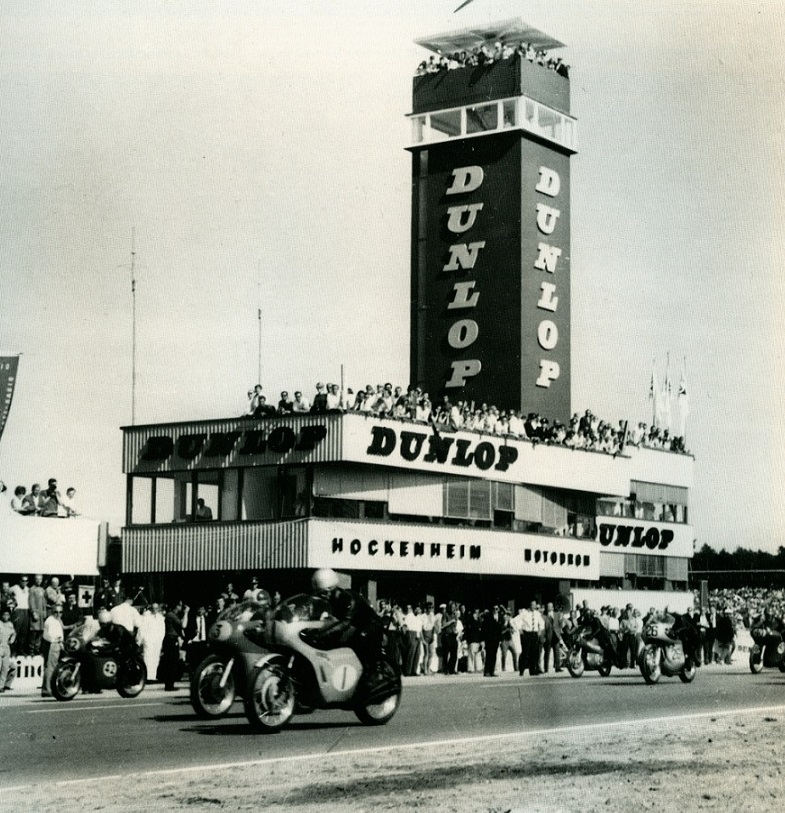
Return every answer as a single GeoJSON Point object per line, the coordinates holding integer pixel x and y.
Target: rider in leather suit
{"type": "Point", "coordinates": [600, 632]}
{"type": "Point", "coordinates": [356, 623]}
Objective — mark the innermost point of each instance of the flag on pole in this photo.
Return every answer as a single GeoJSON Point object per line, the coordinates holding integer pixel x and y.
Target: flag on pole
{"type": "Point", "coordinates": [655, 411]}
{"type": "Point", "coordinates": [8, 368]}
{"type": "Point", "coordinates": [667, 388]}
{"type": "Point", "coordinates": [683, 400]}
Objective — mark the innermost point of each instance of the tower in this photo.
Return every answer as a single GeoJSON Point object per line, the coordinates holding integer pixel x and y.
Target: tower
{"type": "Point", "coordinates": [491, 147]}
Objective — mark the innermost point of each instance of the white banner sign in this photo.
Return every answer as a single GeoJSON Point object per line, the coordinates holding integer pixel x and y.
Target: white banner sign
{"type": "Point", "coordinates": [368, 546]}
{"type": "Point", "coordinates": [627, 535]}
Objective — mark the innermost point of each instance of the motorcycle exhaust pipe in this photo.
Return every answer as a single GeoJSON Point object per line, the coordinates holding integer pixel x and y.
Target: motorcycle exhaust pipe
{"type": "Point", "coordinates": [227, 671]}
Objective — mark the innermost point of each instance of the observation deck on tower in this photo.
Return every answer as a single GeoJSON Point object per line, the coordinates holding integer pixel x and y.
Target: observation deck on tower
{"type": "Point", "coordinates": [509, 93]}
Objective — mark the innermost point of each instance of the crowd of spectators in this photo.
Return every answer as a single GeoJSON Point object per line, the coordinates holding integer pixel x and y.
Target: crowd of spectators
{"type": "Point", "coordinates": [423, 637]}
{"type": "Point", "coordinates": [454, 640]}
{"type": "Point", "coordinates": [45, 503]}
{"type": "Point", "coordinates": [488, 54]}
{"type": "Point", "coordinates": [585, 431]}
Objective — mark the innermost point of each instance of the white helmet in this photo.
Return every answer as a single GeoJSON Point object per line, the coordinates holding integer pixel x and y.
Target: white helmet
{"type": "Point", "coordinates": [324, 580]}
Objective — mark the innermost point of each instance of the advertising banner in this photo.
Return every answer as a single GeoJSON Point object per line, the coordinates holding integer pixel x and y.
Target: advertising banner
{"type": "Point", "coordinates": [8, 368]}
{"type": "Point", "coordinates": [628, 535]}
{"type": "Point", "coordinates": [424, 549]}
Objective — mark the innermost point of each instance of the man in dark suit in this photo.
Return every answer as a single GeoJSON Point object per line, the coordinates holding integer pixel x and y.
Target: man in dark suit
{"type": "Point", "coordinates": [553, 637]}
{"type": "Point", "coordinates": [196, 637]}
{"type": "Point", "coordinates": [174, 621]}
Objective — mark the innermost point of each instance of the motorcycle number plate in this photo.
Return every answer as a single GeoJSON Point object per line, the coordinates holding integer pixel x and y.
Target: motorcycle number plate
{"type": "Point", "coordinates": [652, 630]}
{"type": "Point", "coordinates": [110, 669]}
{"type": "Point", "coordinates": [344, 677]}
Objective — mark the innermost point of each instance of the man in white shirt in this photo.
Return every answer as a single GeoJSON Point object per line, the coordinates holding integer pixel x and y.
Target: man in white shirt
{"type": "Point", "coordinates": [413, 622]}
{"type": "Point", "coordinates": [69, 503]}
{"type": "Point", "coordinates": [52, 647]}
{"type": "Point", "coordinates": [300, 403]}
{"type": "Point", "coordinates": [21, 593]}
{"type": "Point", "coordinates": [126, 615]}
{"type": "Point", "coordinates": [333, 397]}
{"type": "Point", "coordinates": [531, 623]}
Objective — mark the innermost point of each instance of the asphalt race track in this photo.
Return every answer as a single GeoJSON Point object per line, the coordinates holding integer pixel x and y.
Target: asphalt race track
{"type": "Point", "coordinates": [103, 736]}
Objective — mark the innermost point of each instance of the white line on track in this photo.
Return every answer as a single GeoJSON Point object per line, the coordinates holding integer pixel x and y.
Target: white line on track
{"type": "Point", "coordinates": [91, 708]}
{"type": "Point", "coordinates": [255, 763]}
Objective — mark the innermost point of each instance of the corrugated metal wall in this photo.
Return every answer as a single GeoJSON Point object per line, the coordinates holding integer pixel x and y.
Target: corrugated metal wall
{"type": "Point", "coordinates": [215, 546]}
{"type": "Point", "coordinates": [135, 439]}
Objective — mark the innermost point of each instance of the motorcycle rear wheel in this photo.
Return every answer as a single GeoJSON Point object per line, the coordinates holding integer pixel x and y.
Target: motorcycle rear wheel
{"type": "Point", "coordinates": [382, 712]}
{"type": "Point", "coordinates": [271, 700]}
{"type": "Point", "coordinates": [688, 671]}
{"type": "Point", "coordinates": [756, 660]}
{"type": "Point", "coordinates": [131, 678]}
{"type": "Point", "coordinates": [208, 698]}
{"type": "Point", "coordinates": [66, 680]}
{"type": "Point", "coordinates": [649, 665]}
{"type": "Point", "coordinates": [605, 668]}
{"type": "Point", "coordinates": [575, 665]}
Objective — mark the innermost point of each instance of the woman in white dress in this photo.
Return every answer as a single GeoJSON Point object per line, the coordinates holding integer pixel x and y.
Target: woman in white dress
{"type": "Point", "coordinates": [151, 638]}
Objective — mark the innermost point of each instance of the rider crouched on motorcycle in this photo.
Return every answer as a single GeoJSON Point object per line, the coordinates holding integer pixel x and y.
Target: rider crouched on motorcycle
{"type": "Point", "coordinates": [355, 623]}
{"type": "Point", "coordinates": [687, 630]}
{"type": "Point", "coordinates": [607, 640]}
{"type": "Point", "coordinates": [766, 626]}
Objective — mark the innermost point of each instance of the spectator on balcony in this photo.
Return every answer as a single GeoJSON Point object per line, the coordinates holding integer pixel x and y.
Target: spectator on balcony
{"type": "Point", "coordinates": [285, 404]}
{"type": "Point", "coordinates": [333, 398]}
{"type": "Point", "coordinates": [263, 409]}
{"type": "Point", "coordinates": [51, 501]}
{"type": "Point", "coordinates": [320, 399]}
{"type": "Point", "coordinates": [69, 503]}
{"type": "Point", "coordinates": [203, 512]}
{"type": "Point", "coordinates": [253, 399]}
{"type": "Point", "coordinates": [300, 403]}
{"type": "Point", "coordinates": [18, 503]}
{"type": "Point", "coordinates": [423, 411]}
{"type": "Point", "coordinates": [31, 500]}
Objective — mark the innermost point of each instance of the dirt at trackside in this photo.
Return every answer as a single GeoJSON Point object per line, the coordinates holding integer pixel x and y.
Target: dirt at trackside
{"type": "Point", "coordinates": [729, 763]}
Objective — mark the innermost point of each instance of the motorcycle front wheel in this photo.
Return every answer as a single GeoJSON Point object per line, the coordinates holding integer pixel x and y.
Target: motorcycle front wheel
{"type": "Point", "coordinates": [132, 678]}
{"type": "Point", "coordinates": [649, 664]}
{"type": "Point", "coordinates": [575, 664]}
{"type": "Point", "coordinates": [688, 671]}
{"type": "Point", "coordinates": [382, 709]}
{"type": "Point", "coordinates": [208, 698]}
{"type": "Point", "coordinates": [271, 699]}
{"type": "Point", "coordinates": [66, 680]}
{"type": "Point", "coordinates": [756, 660]}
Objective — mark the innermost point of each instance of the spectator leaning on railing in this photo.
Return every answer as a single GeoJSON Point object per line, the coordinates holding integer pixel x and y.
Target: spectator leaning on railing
{"type": "Point", "coordinates": [586, 432]}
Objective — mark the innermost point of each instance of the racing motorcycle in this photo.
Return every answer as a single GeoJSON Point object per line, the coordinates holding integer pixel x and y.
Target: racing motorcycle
{"type": "Point", "coordinates": [664, 653]}
{"type": "Point", "coordinates": [587, 653]}
{"type": "Point", "coordinates": [301, 672]}
{"type": "Point", "coordinates": [768, 650]}
{"type": "Point", "coordinates": [236, 641]}
{"type": "Point", "coordinates": [98, 657]}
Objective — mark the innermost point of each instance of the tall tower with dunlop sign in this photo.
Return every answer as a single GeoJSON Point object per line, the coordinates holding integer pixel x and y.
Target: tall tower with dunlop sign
{"type": "Point", "coordinates": [491, 147]}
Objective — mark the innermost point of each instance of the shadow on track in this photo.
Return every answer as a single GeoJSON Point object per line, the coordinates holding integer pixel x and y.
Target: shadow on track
{"type": "Point", "coordinates": [244, 728]}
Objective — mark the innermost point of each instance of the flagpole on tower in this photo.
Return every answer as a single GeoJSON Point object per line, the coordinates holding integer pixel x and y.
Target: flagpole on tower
{"type": "Point", "coordinates": [133, 325]}
{"type": "Point", "coordinates": [259, 319]}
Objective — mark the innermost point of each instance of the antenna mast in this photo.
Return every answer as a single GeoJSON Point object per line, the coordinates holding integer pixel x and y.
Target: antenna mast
{"type": "Point", "coordinates": [133, 325]}
{"type": "Point", "coordinates": [259, 317]}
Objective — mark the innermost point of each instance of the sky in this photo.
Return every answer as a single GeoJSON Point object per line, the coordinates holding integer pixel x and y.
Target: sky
{"type": "Point", "coordinates": [256, 150]}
